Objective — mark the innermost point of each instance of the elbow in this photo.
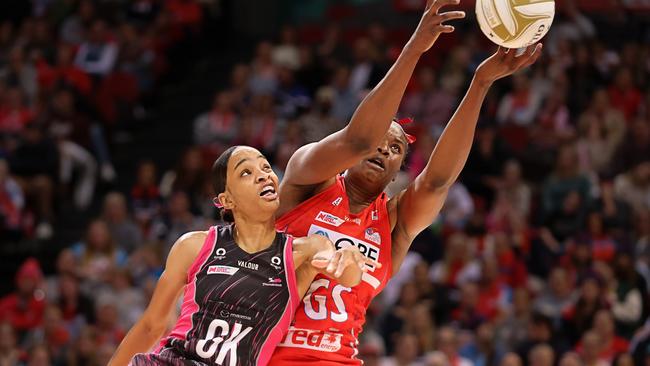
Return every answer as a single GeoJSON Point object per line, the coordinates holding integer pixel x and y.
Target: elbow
{"type": "Point", "coordinates": [359, 144]}
{"type": "Point", "coordinates": [154, 328]}
{"type": "Point", "coordinates": [438, 184]}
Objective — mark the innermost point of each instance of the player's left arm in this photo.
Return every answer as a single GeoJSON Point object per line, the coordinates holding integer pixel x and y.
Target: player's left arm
{"type": "Point", "coordinates": [418, 205]}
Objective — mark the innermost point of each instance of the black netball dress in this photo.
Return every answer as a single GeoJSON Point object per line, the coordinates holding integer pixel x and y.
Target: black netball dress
{"type": "Point", "coordinates": [236, 305]}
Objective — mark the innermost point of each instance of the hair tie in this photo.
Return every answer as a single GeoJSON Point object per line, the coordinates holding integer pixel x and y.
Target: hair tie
{"type": "Point", "coordinates": [405, 121]}
{"type": "Point", "coordinates": [217, 204]}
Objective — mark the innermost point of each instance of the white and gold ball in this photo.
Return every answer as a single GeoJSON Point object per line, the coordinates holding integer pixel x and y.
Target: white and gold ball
{"type": "Point", "coordinates": [515, 23]}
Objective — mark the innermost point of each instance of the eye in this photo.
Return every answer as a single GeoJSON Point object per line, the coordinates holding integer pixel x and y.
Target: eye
{"type": "Point", "coordinates": [396, 148]}
{"type": "Point", "coordinates": [266, 167]}
{"type": "Point", "coordinates": [245, 172]}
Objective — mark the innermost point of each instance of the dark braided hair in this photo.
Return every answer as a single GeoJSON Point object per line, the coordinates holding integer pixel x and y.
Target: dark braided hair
{"type": "Point", "coordinates": [219, 175]}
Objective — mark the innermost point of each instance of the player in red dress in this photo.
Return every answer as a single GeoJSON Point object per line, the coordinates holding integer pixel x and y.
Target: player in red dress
{"type": "Point", "coordinates": [351, 209]}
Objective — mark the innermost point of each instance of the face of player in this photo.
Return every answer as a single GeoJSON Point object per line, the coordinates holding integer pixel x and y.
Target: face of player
{"type": "Point", "coordinates": [251, 185]}
{"type": "Point", "coordinates": [381, 167]}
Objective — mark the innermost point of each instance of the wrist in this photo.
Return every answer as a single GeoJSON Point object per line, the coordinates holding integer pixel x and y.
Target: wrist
{"type": "Point", "coordinates": [483, 80]}
{"type": "Point", "coordinates": [410, 50]}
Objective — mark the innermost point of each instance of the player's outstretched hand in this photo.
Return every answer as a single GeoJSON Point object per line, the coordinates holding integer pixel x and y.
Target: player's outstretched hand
{"type": "Point", "coordinates": [431, 24]}
{"type": "Point", "coordinates": [505, 62]}
{"type": "Point", "coordinates": [343, 258]}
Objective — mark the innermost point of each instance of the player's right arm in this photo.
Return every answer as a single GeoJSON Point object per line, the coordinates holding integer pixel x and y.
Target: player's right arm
{"type": "Point", "coordinates": [149, 329]}
{"type": "Point", "coordinates": [319, 162]}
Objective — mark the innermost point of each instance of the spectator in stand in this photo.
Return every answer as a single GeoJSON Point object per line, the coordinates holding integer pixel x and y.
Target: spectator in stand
{"type": "Point", "coordinates": [70, 129]}
{"type": "Point", "coordinates": [10, 354]}
{"type": "Point", "coordinates": [145, 196]}
{"type": "Point", "coordinates": [286, 53]}
{"type": "Point", "coordinates": [578, 318]}
{"type": "Point", "coordinates": [419, 322]}
{"type": "Point", "coordinates": [610, 343]}
{"type": "Point", "coordinates": [448, 343]}
{"type": "Point", "coordinates": [520, 106]}
{"type": "Point", "coordinates": [131, 302]}
{"type": "Point", "coordinates": [39, 356]}
{"type": "Point", "coordinates": [188, 176]}
{"type": "Point", "coordinates": [513, 330]}
{"type": "Point", "coordinates": [541, 355]}
{"type": "Point", "coordinates": [264, 74]}
{"type": "Point", "coordinates": [344, 100]}
{"type": "Point", "coordinates": [291, 98]}
{"type": "Point", "coordinates": [109, 332]}
{"type": "Point", "coordinates": [467, 315]}
{"type": "Point", "coordinates": [12, 205]}
{"type": "Point", "coordinates": [122, 227]}
{"type": "Point", "coordinates": [539, 332]}
{"type": "Point", "coordinates": [584, 79]}
{"type": "Point", "coordinates": [625, 96]}
{"type": "Point", "coordinates": [394, 322]}
{"type": "Point", "coordinates": [565, 179]}
{"type": "Point", "coordinates": [494, 294]}
{"type": "Point", "coordinates": [485, 164]}
{"type": "Point", "coordinates": [429, 104]}
{"type": "Point", "coordinates": [98, 53]}
{"type": "Point", "coordinates": [73, 29]}
{"type": "Point", "coordinates": [64, 73]}
{"type": "Point", "coordinates": [239, 86]}
{"type": "Point", "coordinates": [557, 297]}
{"type": "Point", "coordinates": [215, 129]}
{"type": "Point", "coordinates": [98, 254]}
{"type": "Point", "coordinates": [53, 334]}
{"type": "Point", "coordinates": [332, 50]}
{"type": "Point", "coordinates": [630, 301]}
{"type": "Point", "coordinates": [603, 246]}
{"type": "Point", "coordinates": [515, 189]}
{"type": "Point", "coordinates": [511, 359]}
{"type": "Point", "coordinates": [24, 308]}
{"type": "Point", "coordinates": [636, 148]}
{"type": "Point", "coordinates": [76, 307]}
{"type": "Point", "coordinates": [459, 266]}
{"type": "Point", "coordinates": [177, 220]}
{"type": "Point", "coordinates": [633, 187]}
{"type": "Point", "coordinates": [483, 351]}
{"type": "Point", "coordinates": [22, 73]}
{"type": "Point", "coordinates": [406, 351]}
{"type": "Point", "coordinates": [592, 348]}
{"type": "Point", "coordinates": [35, 166]}
{"type": "Point", "coordinates": [14, 114]}
{"type": "Point", "coordinates": [366, 72]}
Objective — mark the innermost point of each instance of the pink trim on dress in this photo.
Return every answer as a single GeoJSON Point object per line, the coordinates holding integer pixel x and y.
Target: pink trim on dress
{"type": "Point", "coordinates": [189, 306]}
{"type": "Point", "coordinates": [282, 325]}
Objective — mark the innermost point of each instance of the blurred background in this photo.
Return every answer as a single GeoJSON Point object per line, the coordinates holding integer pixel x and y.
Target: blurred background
{"type": "Point", "coordinates": [112, 111]}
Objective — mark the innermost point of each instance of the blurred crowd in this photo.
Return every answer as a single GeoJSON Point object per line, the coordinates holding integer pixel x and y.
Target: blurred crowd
{"type": "Point", "coordinates": [541, 255]}
{"type": "Point", "coordinates": [73, 78]}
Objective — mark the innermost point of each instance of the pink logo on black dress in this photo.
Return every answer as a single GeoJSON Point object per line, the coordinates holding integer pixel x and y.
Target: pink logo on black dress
{"type": "Point", "coordinates": [273, 281]}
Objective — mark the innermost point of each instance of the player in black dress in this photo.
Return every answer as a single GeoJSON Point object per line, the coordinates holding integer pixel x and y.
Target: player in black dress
{"type": "Point", "coordinates": [242, 282]}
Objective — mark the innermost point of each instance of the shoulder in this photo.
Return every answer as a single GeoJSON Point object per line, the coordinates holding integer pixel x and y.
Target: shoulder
{"type": "Point", "coordinates": [189, 244]}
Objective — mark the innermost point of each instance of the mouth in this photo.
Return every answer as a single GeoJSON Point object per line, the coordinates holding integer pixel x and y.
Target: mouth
{"type": "Point", "coordinates": [269, 192]}
{"type": "Point", "coordinates": [377, 162]}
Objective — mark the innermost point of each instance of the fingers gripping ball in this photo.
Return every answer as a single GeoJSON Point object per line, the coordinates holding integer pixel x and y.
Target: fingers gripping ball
{"type": "Point", "coordinates": [515, 23]}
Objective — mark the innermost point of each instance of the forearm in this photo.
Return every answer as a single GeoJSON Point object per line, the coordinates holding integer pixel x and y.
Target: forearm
{"type": "Point", "coordinates": [140, 339]}
{"type": "Point", "coordinates": [455, 143]}
{"type": "Point", "coordinates": [372, 118]}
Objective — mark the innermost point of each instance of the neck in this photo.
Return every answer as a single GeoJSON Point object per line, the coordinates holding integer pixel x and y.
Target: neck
{"type": "Point", "coordinates": [253, 236]}
{"type": "Point", "coordinates": [359, 198]}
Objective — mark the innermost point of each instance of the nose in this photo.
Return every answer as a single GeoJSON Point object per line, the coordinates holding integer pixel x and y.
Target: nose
{"type": "Point", "coordinates": [383, 149]}
{"type": "Point", "coordinates": [263, 177]}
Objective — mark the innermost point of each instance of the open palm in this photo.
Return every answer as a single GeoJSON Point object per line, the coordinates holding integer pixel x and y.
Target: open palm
{"type": "Point", "coordinates": [505, 62]}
